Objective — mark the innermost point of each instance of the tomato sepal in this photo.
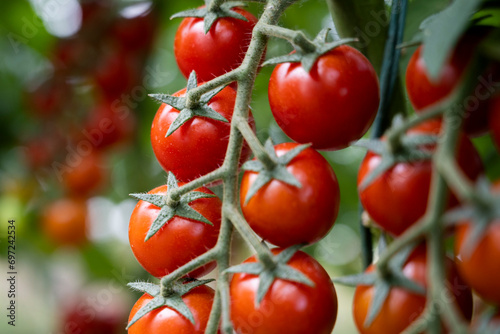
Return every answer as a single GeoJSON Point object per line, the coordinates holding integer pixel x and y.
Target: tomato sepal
{"type": "Point", "coordinates": [277, 172]}
{"type": "Point", "coordinates": [383, 282]}
{"type": "Point", "coordinates": [171, 208]}
{"type": "Point", "coordinates": [308, 58]}
{"type": "Point", "coordinates": [267, 275]}
{"type": "Point", "coordinates": [170, 297]}
{"type": "Point", "coordinates": [409, 149]}
{"type": "Point", "coordinates": [199, 108]}
{"type": "Point", "coordinates": [210, 15]}
{"type": "Point", "coordinates": [483, 211]}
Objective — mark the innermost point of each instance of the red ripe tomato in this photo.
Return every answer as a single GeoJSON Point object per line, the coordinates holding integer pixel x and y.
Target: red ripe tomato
{"type": "Point", "coordinates": [495, 120]}
{"type": "Point", "coordinates": [116, 73]}
{"type": "Point", "coordinates": [86, 177]}
{"type": "Point", "coordinates": [166, 320]}
{"type": "Point", "coordinates": [135, 28]}
{"type": "Point", "coordinates": [286, 215]}
{"type": "Point", "coordinates": [406, 185]}
{"type": "Point", "coordinates": [217, 52]}
{"type": "Point", "coordinates": [65, 221]}
{"type": "Point", "coordinates": [49, 98]}
{"type": "Point", "coordinates": [74, 54]}
{"type": "Point", "coordinates": [199, 145]}
{"type": "Point", "coordinates": [402, 307]}
{"type": "Point", "coordinates": [480, 268]}
{"type": "Point", "coordinates": [82, 316]}
{"type": "Point", "coordinates": [180, 239]}
{"type": "Point", "coordinates": [332, 105]}
{"type": "Point", "coordinates": [424, 92]}
{"type": "Point", "coordinates": [107, 126]}
{"type": "Point", "coordinates": [288, 307]}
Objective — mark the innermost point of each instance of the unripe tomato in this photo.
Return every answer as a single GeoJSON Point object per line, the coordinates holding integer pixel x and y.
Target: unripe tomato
{"type": "Point", "coordinates": [179, 240]}
{"type": "Point", "coordinates": [217, 52]}
{"type": "Point", "coordinates": [288, 307]}
{"type": "Point", "coordinates": [402, 307]}
{"type": "Point", "coordinates": [332, 105]}
{"type": "Point", "coordinates": [286, 215]}
{"type": "Point", "coordinates": [405, 186]}
{"type": "Point", "coordinates": [166, 320]}
{"type": "Point", "coordinates": [479, 267]}
{"type": "Point", "coordinates": [65, 221]}
{"type": "Point", "coordinates": [199, 145]}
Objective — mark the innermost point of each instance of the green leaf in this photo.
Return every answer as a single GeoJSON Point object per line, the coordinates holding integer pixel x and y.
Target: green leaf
{"type": "Point", "coordinates": [262, 179]}
{"type": "Point", "coordinates": [385, 164]}
{"type": "Point", "coordinates": [174, 101]}
{"type": "Point", "coordinates": [158, 200]}
{"type": "Point", "coordinates": [192, 81]}
{"type": "Point", "coordinates": [266, 279]}
{"type": "Point", "coordinates": [438, 45]}
{"type": "Point", "coordinates": [166, 213]}
{"type": "Point", "coordinates": [290, 155]}
{"type": "Point", "coordinates": [254, 268]}
{"type": "Point", "coordinates": [152, 305]}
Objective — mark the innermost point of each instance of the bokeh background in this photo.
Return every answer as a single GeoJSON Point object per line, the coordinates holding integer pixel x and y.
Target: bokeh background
{"type": "Point", "coordinates": [65, 66]}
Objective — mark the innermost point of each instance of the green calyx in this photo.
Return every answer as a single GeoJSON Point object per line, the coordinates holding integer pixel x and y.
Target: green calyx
{"type": "Point", "coordinates": [481, 213]}
{"type": "Point", "coordinates": [171, 208]}
{"type": "Point", "coordinates": [170, 297]}
{"type": "Point", "coordinates": [210, 14]}
{"type": "Point", "coordinates": [403, 149]}
{"type": "Point", "coordinates": [306, 51]}
{"type": "Point", "coordinates": [383, 280]}
{"type": "Point", "coordinates": [189, 109]}
{"type": "Point", "coordinates": [276, 172]}
{"type": "Point", "coordinates": [267, 273]}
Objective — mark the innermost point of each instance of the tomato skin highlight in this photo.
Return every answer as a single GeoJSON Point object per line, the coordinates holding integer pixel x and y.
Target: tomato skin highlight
{"type": "Point", "coordinates": [179, 240]}
{"type": "Point", "coordinates": [199, 145]}
{"type": "Point", "coordinates": [288, 307]}
{"type": "Point", "coordinates": [196, 51]}
{"type": "Point", "coordinates": [332, 105]}
{"type": "Point", "coordinates": [286, 215]}
{"type": "Point", "coordinates": [402, 307]}
{"type": "Point", "coordinates": [480, 268]}
{"type": "Point", "coordinates": [405, 186]}
{"type": "Point", "coordinates": [166, 320]}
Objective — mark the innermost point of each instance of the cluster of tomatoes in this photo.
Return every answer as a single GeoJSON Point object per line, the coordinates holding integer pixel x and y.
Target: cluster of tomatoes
{"type": "Point", "coordinates": [297, 204]}
{"type": "Point", "coordinates": [83, 108]}
{"type": "Point", "coordinates": [293, 196]}
{"type": "Point", "coordinates": [406, 186]}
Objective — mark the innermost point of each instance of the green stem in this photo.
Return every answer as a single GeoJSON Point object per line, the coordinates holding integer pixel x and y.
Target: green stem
{"type": "Point", "coordinates": [254, 143]}
{"type": "Point", "coordinates": [250, 237]}
{"type": "Point", "coordinates": [295, 37]}
{"type": "Point", "coordinates": [193, 96]}
{"type": "Point", "coordinates": [214, 4]}
{"type": "Point", "coordinates": [365, 19]}
{"type": "Point", "coordinates": [201, 260]}
{"type": "Point", "coordinates": [215, 175]}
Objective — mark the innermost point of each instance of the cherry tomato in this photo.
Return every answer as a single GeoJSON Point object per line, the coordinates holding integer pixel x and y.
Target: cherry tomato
{"type": "Point", "coordinates": [73, 54]}
{"type": "Point", "coordinates": [402, 307]}
{"type": "Point", "coordinates": [41, 150]}
{"type": "Point", "coordinates": [494, 120]}
{"type": "Point", "coordinates": [86, 177]}
{"type": "Point", "coordinates": [49, 98]}
{"type": "Point", "coordinates": [424, 92]}
{"type": "Point", "coordinates": [479, 267]}
{"type": "Point", "coordinates": [135, 28]}
{"type": "Point", "coordinates": [286, 215]}
{"type": "Point", "coordinates": [199, 145]}
{"type": "Point", "coordinates": [288, 307]}
{"type": "Point", "coordinates": [180, 239]}
{"type": "Point", "coordinates": [107, 126]}
{"type": "Point", "coordinates": [405, 186]}
{"type": "Point", "coordinates": [217, 52]}
{"type": "Point", "coordinates": [332, 105]}
{"type": "Point", "coordinates": [116, 73]}
{"type": "Point", "coordinates": [166, 320]}
{"type": "Point", "coordinates": [82, 316]}
{"type": "Point", "coordinates": [65, 221]}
